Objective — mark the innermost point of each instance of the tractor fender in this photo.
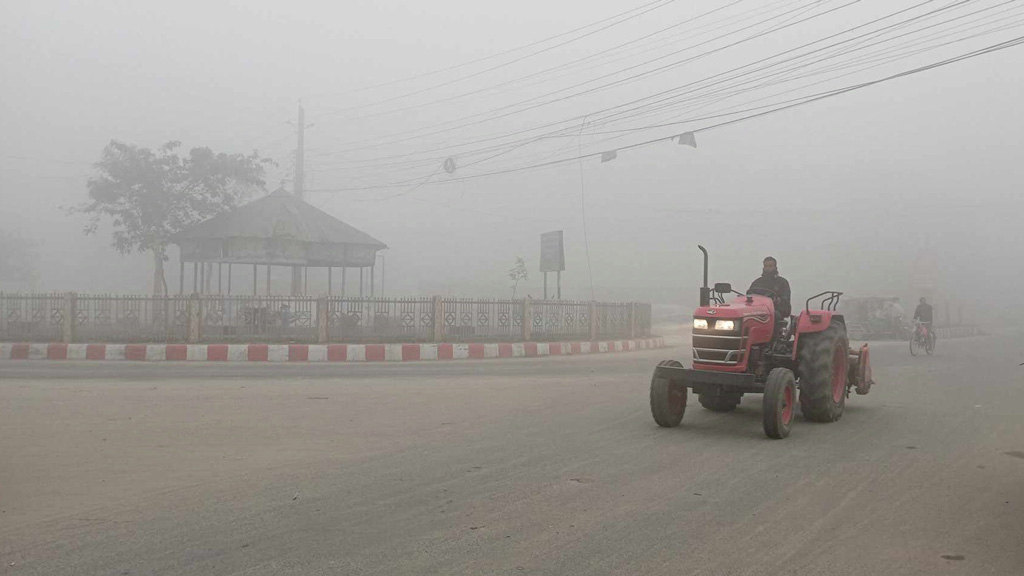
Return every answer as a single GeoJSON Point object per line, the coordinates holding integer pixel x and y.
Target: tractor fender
{"type": "Point", "coordinates": [813, 321]}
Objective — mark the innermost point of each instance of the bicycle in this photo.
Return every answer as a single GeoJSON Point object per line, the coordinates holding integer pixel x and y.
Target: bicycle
{"type": "Point", "coordinates": [922, 338]}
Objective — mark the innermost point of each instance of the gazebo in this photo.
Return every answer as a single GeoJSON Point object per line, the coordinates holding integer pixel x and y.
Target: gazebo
{"type": "Point", "coordinates": [276, 230]}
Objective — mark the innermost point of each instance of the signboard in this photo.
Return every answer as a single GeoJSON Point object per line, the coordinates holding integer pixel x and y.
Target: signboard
{"type": "Point", "coordinates": [552, 252]}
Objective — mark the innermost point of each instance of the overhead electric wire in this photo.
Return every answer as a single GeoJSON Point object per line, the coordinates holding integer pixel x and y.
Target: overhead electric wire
{"type": "Point", "coordinates": [814, 73]}
{"type": "Point", "coordinates": [874, 32]}
{"type": "Point", "coordinates": [572, 121]}
{"type": "Point", "coordinates": [652, 7]}
{"type": "Point", "coordinates": [485, 58]}
{"type": "Point", "coordinates": [412, 134]}
{"type": "Point", "coordinates": [673, 93]}
{"type": "Point", "coordinates": [869, 61]}
{"type": "Point", "coordinates": [503, 134]}
{"type": "Point", "coordinates": [840, 91]}
{"type": "Point", "coordinates": [540, 73]}
{"type": "Point", "coordinates": [803, 65]}
{"type": "Point", "coordinates": [645, 110]}
{"type": "Point", "coordinates": [500, 135]}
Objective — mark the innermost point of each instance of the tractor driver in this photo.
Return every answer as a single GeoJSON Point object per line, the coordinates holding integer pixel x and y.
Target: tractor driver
{"type": "Point", "coordinates": [770, 280]}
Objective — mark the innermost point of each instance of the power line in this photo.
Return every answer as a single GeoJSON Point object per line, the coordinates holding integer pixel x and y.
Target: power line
{"type": "Point", "coordinates": [626, 16]}
{"type": "Point", "coordinates": [516, 80]}
{"type": "Point", "coordinates": [646, 108]}
{"type": "Point", "coordinates": [840, 91]}
{"type": "Point", "coordinates": [845, 41]}
{"type": "Point", "coordinates": [501, 135]}
{"type": "Point", "coordinates": [755, 71]}
{"type": "Point", "coordinates": [412, 135]}
{"type": "Point", "coordinates": [676, 89]}
{"type": "Point", "coordinates": [528, 140]}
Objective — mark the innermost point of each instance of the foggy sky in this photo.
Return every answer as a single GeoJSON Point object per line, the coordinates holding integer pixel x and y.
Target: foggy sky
{"type": "Point", "coordinates": [847, 193]}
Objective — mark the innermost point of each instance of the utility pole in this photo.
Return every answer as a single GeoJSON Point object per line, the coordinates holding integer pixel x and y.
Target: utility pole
{"type": "Point", "coordinates": [300, 156]}
{"type": "Point", "coordinates": [299, 187]}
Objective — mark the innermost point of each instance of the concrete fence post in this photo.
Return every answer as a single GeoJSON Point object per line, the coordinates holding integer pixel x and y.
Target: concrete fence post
{"type": "Point", "coordinates": [194, 318]}
{"type": "Point", "coordinates": [70, 310]}
{"type": "Point", "coordinates": [593, 321]}
{"type": "Point", "coordinates": [323, 319]}
{"type": "Point", "coordinates": [527, 319]}
{"type": "Point", "coordinates": [438, 316]}
{"type": "Point", "coordinates": [632, 320]}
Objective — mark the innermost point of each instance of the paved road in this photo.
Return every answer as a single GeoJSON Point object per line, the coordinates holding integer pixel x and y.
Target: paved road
{"type": "Point", "coordinates": [548, 466]}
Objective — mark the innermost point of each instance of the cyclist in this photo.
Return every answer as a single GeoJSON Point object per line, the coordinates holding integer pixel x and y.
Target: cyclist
{"type": "Point", "coordinates": [923, 314]}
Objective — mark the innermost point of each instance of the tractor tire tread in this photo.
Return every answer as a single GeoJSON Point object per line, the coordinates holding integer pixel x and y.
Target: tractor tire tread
{"type": "Point", "coordinates": [660, 409]}
{"type": "Point", "coordinates": [774, 425]}
{"type": "Point", "coordinates": [816, 354]}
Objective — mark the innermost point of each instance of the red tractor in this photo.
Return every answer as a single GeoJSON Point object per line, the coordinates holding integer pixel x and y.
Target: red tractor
{"type": "Point", "coordinates": [741, 347]}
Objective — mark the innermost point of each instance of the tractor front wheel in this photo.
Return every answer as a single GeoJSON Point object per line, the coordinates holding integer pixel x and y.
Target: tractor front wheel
{"type": "Point", "coordinates": [823, 359]}
{"type": "Point", "coordinates": [779, 403]}
{"type": "Point", "coordinates": [668, 399]}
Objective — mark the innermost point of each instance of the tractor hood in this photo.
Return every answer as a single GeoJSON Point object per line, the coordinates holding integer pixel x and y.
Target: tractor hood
{"type": "Point", "coordinates": [740, 307]}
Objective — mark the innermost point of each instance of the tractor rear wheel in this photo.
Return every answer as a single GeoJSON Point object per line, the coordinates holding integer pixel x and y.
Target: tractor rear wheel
{"type": "Point", "coordinates": [779, 403]}
{"type": "Point", "coordinates": [718, 400]}
{"type": "Point", "coordinates": [823, 371]}
{"type": "Point", "coordinates": [668, 399]}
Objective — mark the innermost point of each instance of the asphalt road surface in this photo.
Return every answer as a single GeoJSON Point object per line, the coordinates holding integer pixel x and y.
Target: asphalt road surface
{"type": "Point", "coordinates": [524, 467]}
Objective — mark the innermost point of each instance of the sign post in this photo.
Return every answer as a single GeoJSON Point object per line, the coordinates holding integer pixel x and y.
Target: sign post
{"type": "Point", "coordinates": [552, 259]}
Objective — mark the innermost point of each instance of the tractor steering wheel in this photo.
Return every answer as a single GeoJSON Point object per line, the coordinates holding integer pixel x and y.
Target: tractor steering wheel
{"type": "Point", "coordinates": [762, 292]}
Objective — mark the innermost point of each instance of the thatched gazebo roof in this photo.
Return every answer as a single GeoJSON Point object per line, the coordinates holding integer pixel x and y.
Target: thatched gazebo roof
{"type": "Point", "coordinates": [281, 230]}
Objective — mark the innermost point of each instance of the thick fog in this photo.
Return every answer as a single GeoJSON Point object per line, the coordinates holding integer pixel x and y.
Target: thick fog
{"type": "Point", "coordinates": [909, 185]}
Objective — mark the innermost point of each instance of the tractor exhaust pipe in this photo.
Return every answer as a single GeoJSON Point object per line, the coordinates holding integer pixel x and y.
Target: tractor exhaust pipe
{"type": "Point", "coordinates": [705, 290]}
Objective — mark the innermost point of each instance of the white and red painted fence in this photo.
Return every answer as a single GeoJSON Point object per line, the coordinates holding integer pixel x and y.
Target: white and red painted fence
{"type": "Point", "coordinates": [315, 352]}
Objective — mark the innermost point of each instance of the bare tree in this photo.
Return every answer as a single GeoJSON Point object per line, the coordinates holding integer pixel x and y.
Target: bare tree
{"type": "Point", "coordinates": [517, 273]}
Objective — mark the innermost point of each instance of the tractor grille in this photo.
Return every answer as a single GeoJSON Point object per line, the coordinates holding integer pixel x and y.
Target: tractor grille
{"type": "Point", "coordinates": [718, 349]}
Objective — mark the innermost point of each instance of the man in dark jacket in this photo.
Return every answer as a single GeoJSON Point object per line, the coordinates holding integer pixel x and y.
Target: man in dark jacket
{"type": "Point", "coordinates": [923, 313]}
{"type": "Point", "coordinates": [770, 280]}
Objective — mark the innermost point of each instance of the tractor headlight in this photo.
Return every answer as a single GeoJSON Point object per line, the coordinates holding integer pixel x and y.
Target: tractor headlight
{"type": "Point", "coordinates": [700, 324]}
{"type": "Point", "coordinates": [725, 325]}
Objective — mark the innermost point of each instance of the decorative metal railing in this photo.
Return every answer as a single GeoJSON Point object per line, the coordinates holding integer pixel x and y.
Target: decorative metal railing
{"type": "Point", "coordinates": [73, 317]}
